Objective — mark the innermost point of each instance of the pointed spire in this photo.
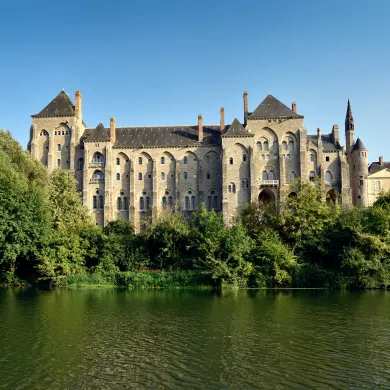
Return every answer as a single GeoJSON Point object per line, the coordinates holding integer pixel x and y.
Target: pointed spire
{"type": "Point", "coordinates": [349, 122]}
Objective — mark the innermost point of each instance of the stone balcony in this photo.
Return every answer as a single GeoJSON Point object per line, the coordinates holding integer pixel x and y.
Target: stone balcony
{"type": "Point", "coordinates": [96, 181]}
{"type": "Point", "coordinates": [96, 165]}
{"type": "Point", "coordinates": [269, 183]}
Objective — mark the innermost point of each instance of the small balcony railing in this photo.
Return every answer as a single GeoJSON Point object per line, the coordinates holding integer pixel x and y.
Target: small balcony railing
{"type": "Point", "coordinates": [96, 181]}
{"type": "Point", "coordinates": [273, 183]}
{"type": "Point", "coordinates": [96, 165]}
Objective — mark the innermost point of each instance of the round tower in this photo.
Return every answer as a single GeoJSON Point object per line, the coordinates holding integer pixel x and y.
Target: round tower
{"type": "Point", "coordinates": [359, 175]}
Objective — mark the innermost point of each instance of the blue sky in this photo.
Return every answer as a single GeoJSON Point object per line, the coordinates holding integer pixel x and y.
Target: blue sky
{"type": "Point", "coordinates": [164, 62]}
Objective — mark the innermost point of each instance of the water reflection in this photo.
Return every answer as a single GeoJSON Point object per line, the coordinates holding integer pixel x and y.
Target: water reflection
{"type": "Point", "coordinates": [114, 339]}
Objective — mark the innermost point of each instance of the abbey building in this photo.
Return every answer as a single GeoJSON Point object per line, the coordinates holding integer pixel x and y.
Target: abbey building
{"type": "Point", "coordinates": [135, 172]}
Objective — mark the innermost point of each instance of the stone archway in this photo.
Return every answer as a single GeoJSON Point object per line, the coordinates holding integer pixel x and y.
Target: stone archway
{"type": "Point", "coordinates": [331, 196]}
{"type": "Point", "coordinates": [267, 199]}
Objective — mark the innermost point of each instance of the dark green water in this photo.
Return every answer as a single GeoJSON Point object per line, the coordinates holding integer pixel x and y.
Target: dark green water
{"type": "Point", "coordinates": [117, 339]}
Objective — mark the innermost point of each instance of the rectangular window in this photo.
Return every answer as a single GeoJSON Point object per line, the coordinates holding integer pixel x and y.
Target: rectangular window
{"type": "Point", "coordinates": [361, 182]}
{"type": "Point", "coordinates": [377, 185]}
{"type": "Point", "coordinates": [327, 158]}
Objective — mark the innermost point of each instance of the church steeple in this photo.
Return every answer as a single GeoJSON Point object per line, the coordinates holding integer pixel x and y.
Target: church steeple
{"type": "Point", "coordinates": [349, 129]}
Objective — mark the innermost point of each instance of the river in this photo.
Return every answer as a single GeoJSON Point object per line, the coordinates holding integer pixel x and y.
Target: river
{"type": "Point", "coordinates": [119, 339]}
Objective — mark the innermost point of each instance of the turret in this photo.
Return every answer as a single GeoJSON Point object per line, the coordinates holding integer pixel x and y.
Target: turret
{"type": "Point", "coordinates": [359, 174]}
{"type": "Point", "coordinates": [349, 129]}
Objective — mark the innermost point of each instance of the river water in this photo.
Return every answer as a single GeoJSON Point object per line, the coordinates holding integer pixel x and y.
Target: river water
{"type": "Point", "coordinates": [118, 339]}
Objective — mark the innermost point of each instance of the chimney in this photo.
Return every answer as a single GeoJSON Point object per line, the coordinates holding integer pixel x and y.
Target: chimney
{"type": "Point", "coordinates": [245, 106]}
{"type": "Point", "coordinates": [78, 101]}
{"type": "Point", "coordinates": [294, 106]}
{"type": "Point", "coordinates": [335, 133]}
{"type": "Point", "coordinates": [319, 139]}
{"type": "Point", "coordinates": [222, 122]}
{"type": "Point", "coordinates": [380, 160]}
{"type": "Point", "coordinates": [112, 129]}
{"type": "Point", "coordinates": [200, 128]}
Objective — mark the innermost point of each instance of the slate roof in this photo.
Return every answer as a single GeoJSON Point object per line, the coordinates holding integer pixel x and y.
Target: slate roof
{"type": "Point", "coordinates": [236, 129]}
{"type": "Point", "coordinates": [359, 145]}
{"type": "Point", "coordinates": [271, 108]}
{"type": "Point", "coordinates": [327, 142]}
{"type": "Point", "coordinates": [61, 105]}
{"type": "Point", "coordinates": [376, 167]}
{"type": "Point", "coordinates": [138, 137]}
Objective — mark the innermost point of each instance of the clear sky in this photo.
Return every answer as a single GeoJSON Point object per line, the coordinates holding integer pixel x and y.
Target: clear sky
{"type": "Point", "coordinates": [164, 62]}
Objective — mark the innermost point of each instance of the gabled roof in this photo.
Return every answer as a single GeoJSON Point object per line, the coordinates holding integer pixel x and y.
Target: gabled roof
{"type": "Point", "coordinates": [236, 129]}
{"type": "Point", "coordinates": [376, 167]}
{"type": "Point", "coordinates": [359, 145]}
{"type": "Point", "coordinates": [100, 133]}
{"type": "Point", "coordinates": [158, 136]}
{"type": "Point", "coordinates": [271, 108]}
{"type": "Point", "coordinates": [327, 142]}
{"type": "Point", "coordinates": [61, 105]}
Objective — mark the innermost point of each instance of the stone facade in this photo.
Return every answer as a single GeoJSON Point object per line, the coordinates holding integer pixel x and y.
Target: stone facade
{"type": "Point", "coordinates": [135, 173]}
{"type": "Point", "coordinates": [378, 180]}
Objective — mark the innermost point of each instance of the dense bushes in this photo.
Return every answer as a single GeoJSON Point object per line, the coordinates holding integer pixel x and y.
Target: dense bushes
{"type": "Point", "coordinates": [47, 237]}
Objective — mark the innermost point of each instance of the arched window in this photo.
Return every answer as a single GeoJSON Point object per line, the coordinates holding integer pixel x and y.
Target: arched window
{"type": "Point", "coordinates": [193, 203]}
{"type": "Point", "coordinates": [229, 188]}
{"type": "Point", "coordinates": [98, 175]}
{"type": "Point", "coordinates": [234, 188]}
{"type": "Point", "coordinates": [141, 203]}
{"type": "Point", "coordinates": [94, 202]}
{"type": "Point", "coordinates": [259, 146]}
{"type": "Point", "coordinates": [312, 157]}
{"type": "Point", "coordinates": [231, 160]}
{"type": "Point", "coordinates": [101, 202]}
{"type": "Point", "coordinates": [118, 161]}
{"type": "Point", "coordinates": [118, 176]}
{"type": "Point", "coordinates": [264, 175]}
{"type": "Point", "coordinates": [59, 147]}
{"type": "Point", "coordinates": [80, 163]}
{"type": "Point", "coordinates": [162, 160]}
{"type": "Point", "coordinates": [98, 158]}
{"type": "Point", "coordinates": [55, 133]}
{"type": "Point", "coordinates": [271, 175]}
{"type": "Point", "coordinates": [244, 157]}
{"type": "Point", "coordinates": [292, 175]}
{"type": "Point", "coordinates": [147, 203]}
{"type": "Point", "coordinates": [139, 176]}
{"type": "Point", "coordinates": [209, 202]}
{"type": "Point", "coordinates": [164, 201]}
{"type": "Point", "coordinates": [185, 175]}
{"type": "Point", "coordinates": [328, 177]}
{"type": "Point", "coordinates": [284, 146]}
{"type": "Point", "coordinates": [187, 203]}
{"type": "Point", "coordinates": [162, 176]}
{"type": "Point", "coordinates": [208, 176]}
{"type": "Point", "coordinates": [119, 203]}
{"type": "Point", "coordinates": [170, 201]}
{"type": "Point", "coordinates": [139, 160]}
{"type": "Point", "coordinates": [312, 175]}
{"type": "Point", "coordinates": [58, 163]}
{"type": "Point", "coordinates": [185, 160]}
{"type": "Point", "coordinates": [125, 203]}
{"type": "Point", "coordinates": [265, 145]}
{"type": "Point", "coordinates": [291, 146]}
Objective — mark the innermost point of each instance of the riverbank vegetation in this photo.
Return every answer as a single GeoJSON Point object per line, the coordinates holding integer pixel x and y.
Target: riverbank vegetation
{"type": "Point", "coordinates": [48, 238]}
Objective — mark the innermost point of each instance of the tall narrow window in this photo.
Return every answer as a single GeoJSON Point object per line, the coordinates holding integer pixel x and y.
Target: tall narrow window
{"type": "Point", "coordinates": [118, 176]}
{"type": "Point", "coordinates": [229, 188]}
{"type": "Point", "coordinates": [193, 202]}
{"type": "Point", "coordinates": [139, 160]}
{"type": "Point", "coordinates": [291, 146]}
{"type": "Point", "coordinates": [58, 163]}
{"type": "Point", "coordinates": [119, 203]}
{"type": "Point", "coordinates": [311, 157]}
{"type": "Point", "coordinates": [259, 146]}
{"type": "Point", "coordinates": [80, 164]}
{"type": "Point", "coordinates": [328, 177]}
{"type": "Point", "coordinates": [162, 160]}
{"type": "Point", "coordinates": [208, 175]}
{"type": "Point", "coordinates": [141, 203]}
{"type": "Point", "coordinates": [292, 175]}
{"type": "Point", "coordinates": [164, 201]}
{"type": "Point", "coordinates": [187, 203]}
{"type": "Point", "coordinates": [118, 161]}
{"type": "Point", "coordinates": [264, 175]}
{"type": "Point", "coordinates": [244, 157]}
{"type": "Point", "coordinates": [139, 176]}
{"type": "Point", "coordinates": [59, 148]}
{"type": "Point", "coordinates": [94, 202]}
{"type": "Point", "coordinates": [125, 203]}
{"type": "Point", "coordinates": [101, 202]}
{"type": "Point", "coordinates": [377, 185]}
{"type": "Point", "coordinates": [284, 146]}
{"type": "Point", "coordinates": [312, 175]}
{"type": "Point", "coordinates": [231, 160]}
{"type": "Point", "coordinates": [185, 175]}
{"type": "Point", "coordinates": [271, 175]}
{"type": "Point", "coordinates": [234, 188]}
{"type": "Point", "coordinates": [265, 145]}
{"type": "Point", "coordinates": [162, 176]}
{"type": "Point", "coordinates": [170, 201]}
{"type": "Point", "coordinates": [185, 160]}
{"type": "Point", "coordinates": [147, 203]}
{"type": "Point", "coordinates": [209, 202]}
